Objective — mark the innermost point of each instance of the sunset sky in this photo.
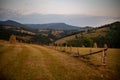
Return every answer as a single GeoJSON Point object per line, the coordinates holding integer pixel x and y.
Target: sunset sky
{"type": "Point", "coordinates": [74, 12]}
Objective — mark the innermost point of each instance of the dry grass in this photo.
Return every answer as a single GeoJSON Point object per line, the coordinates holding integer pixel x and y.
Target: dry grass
{"type": "Point", "coordinates": [35, 62]}
{"type": "Point", "coordinates": [112, 60]}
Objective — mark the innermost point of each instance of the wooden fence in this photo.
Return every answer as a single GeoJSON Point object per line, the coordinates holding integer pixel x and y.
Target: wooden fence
{"type": "Point", "coordinates": [77, 54]}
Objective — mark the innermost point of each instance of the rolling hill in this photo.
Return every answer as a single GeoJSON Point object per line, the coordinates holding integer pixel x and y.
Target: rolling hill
{"type": "Point", "coordinates": [108, 33]}
{"type": "Point", "coordinates": [41, 32]}
{"type": "Point", "coordinates": [22, 32]}
{"type": "Point", "coordinates": [71, 35]}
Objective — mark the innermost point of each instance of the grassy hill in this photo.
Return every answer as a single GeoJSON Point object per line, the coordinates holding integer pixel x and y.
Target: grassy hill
{"type": "Point", "coordinates": [105, 34]}
{"type": "Point", "coordinates": [23, 35]}
{"type": "Point", "coordinates": [35, 62]}
{"type": "Point", "coordinates": [37, 33]}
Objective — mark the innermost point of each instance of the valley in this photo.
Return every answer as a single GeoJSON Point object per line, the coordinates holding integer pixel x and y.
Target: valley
{"type": "Point", "coordinates": [27, 53]}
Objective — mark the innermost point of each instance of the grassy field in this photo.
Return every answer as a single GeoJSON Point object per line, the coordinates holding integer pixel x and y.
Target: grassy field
{"type": "Point", "coordinates": [35, 62]}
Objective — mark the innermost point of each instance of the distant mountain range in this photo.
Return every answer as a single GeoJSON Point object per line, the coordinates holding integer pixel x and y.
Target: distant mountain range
{"type": "Point", "coordinates": [53, 26]}
{"type": "Point", "coordinates": [57, 26]}
{"type": "Point", "coordinates": [11, 23]}
{"type": "Point", "coordinates": [15, 24]}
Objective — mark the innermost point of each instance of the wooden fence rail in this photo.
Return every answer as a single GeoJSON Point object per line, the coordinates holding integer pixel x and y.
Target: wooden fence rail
{"type": "Point", "coordinates": [103, 56]}
{"type": "Point", "coordinates": [91, 53]}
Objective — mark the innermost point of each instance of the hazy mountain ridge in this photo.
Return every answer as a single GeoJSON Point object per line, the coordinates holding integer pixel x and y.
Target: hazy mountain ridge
{"type": "Point", "coordinates": [50, 26]}
{"type": "Point", "coordinates": [56, 26]}
{"type": "Point", "coordinates": [15, 24]}
{"type": "Point", "coordinates": [11, 23]}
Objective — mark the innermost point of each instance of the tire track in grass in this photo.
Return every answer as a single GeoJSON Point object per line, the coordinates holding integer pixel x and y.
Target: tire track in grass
{"type": "Point", "coordinates": [35, 62]}
{"type": "Point", "coordinates": [28, 65]}
{"type": "Point", "coordinates": [38, 64]}
{"type": "Point", "coordinates": [64, 69]}
{"type": "Point", "coordinates": [5, 48]}
{"type": "Point", "coordinates": [53, 66]}
{"type": "Point", "coordinates": [7, 56]}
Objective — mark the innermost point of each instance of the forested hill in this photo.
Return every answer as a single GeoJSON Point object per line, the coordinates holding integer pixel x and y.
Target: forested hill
{"type": "Point", "coordinates": [22, 33]}
{"type": "Point", "coordinates": [37, 33]}
{"type": "Point", "coordinates": [106, 34]}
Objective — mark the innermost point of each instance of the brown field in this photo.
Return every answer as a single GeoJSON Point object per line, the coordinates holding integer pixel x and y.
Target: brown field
{"type": "Point", "coordinates": [35, 62]}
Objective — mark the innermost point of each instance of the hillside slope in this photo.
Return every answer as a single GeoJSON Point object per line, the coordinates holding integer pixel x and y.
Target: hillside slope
{"type": "Point", "coordinates": [105, 34]}
{"type": "Point", "coordinates": [34, 62]}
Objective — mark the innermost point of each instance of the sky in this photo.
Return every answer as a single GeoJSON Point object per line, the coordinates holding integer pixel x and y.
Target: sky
{"type": "Point", "coordinates": [74, 12]}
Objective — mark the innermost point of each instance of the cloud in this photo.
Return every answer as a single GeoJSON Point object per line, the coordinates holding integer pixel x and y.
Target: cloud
{"type": "Point", "coordinates": [77, 20]}
{"type": "Point", "coordinates": [9, 14]}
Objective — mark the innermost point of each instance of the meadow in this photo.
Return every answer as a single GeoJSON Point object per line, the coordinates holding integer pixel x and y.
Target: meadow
{"type": "Point", "coordinates": [35, 62]}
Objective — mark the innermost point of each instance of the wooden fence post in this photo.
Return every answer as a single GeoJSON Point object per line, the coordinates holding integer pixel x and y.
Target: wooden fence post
{"type": "Point", "coordinates": [66, 48]}
{"type": "Point", "coordinates": [55, 47]}
{"type": "Point", "coordinates": [70, 49]}
{"type": "Point", "coordinates": [90, 51]}
{"type": "Point", "coordinates": [78, 51]}
{"type": "Point", "coordinates": [60, 47]}
{"type": "Point", "coordinates": [105, 46]}
{"type": "Point", "coordinates": [103, 58]}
